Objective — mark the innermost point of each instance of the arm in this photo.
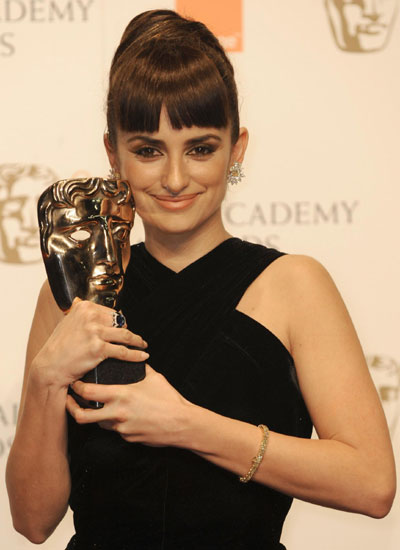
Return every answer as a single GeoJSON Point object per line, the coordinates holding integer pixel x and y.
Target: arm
{"type": "Point", "coordinates": [350, 467]}
{"type": "Point", "coordinates": [60, 350]}
{"type": "Point", "coordinates": [37, 473]}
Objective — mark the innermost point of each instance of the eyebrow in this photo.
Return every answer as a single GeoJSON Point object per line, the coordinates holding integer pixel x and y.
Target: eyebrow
{"type": "Point", "coordinates": [160, 142]}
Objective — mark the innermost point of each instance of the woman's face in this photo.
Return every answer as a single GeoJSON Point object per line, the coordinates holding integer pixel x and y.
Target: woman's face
{"type": "Point", "coordinates": [178, 177]}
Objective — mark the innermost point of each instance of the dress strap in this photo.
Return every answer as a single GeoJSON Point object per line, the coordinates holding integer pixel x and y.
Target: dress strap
{"type": "Point", "coordinates": [182, 312]}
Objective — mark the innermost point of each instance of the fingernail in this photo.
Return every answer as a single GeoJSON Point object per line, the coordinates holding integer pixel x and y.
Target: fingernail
{"type": "Point", "coordinates": [144, 343]}
{"type": "Point", "coordinates": [144, 355]}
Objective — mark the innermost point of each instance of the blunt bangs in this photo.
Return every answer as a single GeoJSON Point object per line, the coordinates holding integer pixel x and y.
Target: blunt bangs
{"type": "Point", "coordinates": [184, 79]}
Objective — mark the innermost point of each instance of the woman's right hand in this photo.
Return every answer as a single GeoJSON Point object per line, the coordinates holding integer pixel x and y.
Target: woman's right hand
{"type": "Point", "coordinates": [81, 340]}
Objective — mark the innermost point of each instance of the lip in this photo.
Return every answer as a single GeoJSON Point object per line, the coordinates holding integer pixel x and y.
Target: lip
{"type": "Point", "coordinates": [30, 241]}
{"type": "Point", "coordinates": [372, 28]}
{"type": "Point", "coordinates": [175, 203]}
{"type": "Point", "coordinates": [103, 282]}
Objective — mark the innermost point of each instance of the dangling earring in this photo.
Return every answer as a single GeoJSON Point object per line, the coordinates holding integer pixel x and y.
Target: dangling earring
{"type": "Point", "coordinates": [113, 174]}
{"type": "Point", "coordinates": [235, 173]}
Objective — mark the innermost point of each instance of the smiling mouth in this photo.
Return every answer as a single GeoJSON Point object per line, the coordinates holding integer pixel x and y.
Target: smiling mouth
{"type": "Point", "coordinates": [175, 203]}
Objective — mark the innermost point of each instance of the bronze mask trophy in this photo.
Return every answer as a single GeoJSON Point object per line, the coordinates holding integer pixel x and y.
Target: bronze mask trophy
{"type": "Point", "coordinates": [84, 236]}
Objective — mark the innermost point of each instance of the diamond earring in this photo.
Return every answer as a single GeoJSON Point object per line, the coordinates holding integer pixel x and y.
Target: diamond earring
{"type": "Point", "coordinates": [235, 173]}
{"type": "Point", "coordinates": [113, 174]}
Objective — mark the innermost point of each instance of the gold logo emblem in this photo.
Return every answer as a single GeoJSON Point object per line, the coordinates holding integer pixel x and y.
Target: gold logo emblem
{"type": "Point", "coordinates": [361, 25]}
{"type": "Point", "coordinates": [385, 373]}
{"type": "Point", "coordinates": [20, 188]}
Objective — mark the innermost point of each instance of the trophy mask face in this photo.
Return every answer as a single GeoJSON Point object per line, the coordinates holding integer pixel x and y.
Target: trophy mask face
{"type": "Point", "coordinates": [87, 248]}
{"type": "Point", "coordinates": [361, 25]}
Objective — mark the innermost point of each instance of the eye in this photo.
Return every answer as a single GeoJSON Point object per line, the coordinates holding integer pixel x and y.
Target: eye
{"type": "Point", "coordinates": [147, 152]}
{"type": "Point", "coordinates": [202, 150]}
{"type": "Point", "coordinates": [13, 207]}
{"type": "Point", "coordinates": [80, 235]}
{"type": "Point", "coordinates": [121, 234]}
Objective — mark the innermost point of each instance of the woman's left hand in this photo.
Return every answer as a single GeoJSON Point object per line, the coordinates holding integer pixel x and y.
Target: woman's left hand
{"type": "Point", "coordinates": [150, 411]}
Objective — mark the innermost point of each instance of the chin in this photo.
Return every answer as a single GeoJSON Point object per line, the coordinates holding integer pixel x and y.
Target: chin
{"type": "Point", "coordinates": [172, 224]}
{"type": "Point", "coordinates": [177, 229]}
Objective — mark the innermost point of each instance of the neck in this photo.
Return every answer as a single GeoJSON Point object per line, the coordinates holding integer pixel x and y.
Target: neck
{"type": "Point", "coordinates": [178, 250]}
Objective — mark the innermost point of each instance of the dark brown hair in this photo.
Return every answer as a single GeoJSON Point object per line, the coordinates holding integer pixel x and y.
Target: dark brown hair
{"type": "Point", "coordinates": [165, 59]}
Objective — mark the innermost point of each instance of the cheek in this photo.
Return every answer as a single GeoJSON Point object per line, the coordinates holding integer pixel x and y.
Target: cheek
{"type": "Point", "coordinates": [143, 202]}
{"type": "Point", "coordinates": [141, 181]}
{"type": "Point", "coordinates": [211, 174]}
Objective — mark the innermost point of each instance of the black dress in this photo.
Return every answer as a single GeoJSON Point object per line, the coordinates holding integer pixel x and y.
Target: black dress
{"type": "Point", "coordinates": [128, 496]}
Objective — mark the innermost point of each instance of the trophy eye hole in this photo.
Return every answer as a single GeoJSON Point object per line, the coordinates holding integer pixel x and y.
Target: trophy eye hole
{"type": "Point", "coordinates": [80, 235]}
{"type": "Point", "coordinates": [121, 233]}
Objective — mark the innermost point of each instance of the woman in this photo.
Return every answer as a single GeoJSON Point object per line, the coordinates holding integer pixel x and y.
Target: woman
{"type": "Point", "coordinates": [168, 462]}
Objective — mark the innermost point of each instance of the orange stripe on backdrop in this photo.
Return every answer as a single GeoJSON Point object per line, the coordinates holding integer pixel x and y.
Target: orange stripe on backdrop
{"type": "Point", "coordinates": [223, 17]}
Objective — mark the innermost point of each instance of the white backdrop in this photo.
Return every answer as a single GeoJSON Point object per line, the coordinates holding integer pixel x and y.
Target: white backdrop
{"type": "Point", "coordinates": [322, 176]}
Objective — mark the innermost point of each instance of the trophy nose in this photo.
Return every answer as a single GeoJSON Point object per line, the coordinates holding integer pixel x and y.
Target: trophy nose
{"type": "Point", "coordinates": [106, 251]}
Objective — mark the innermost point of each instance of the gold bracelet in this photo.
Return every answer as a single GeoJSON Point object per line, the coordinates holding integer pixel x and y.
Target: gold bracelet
{"type": "Point", "coordinates": [255, 463]}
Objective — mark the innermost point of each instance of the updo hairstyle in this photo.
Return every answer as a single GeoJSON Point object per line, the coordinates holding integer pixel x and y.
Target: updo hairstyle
{"type": "Point", "coordinates": [165, 59]}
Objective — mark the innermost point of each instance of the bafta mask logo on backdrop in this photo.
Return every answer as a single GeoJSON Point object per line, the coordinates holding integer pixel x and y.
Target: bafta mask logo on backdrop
{"type": "Point", "coordinates": [20, 187]}
{"type": "Point", "coordinates": [223, 17]}
{"type": "Point", "coordinates": [385, 373]}
{"type": "Point", "coordinates": [361, 25]}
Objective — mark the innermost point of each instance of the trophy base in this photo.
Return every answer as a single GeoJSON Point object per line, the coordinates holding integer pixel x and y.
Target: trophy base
{"type": "Point", "coordinates": [110, 371]}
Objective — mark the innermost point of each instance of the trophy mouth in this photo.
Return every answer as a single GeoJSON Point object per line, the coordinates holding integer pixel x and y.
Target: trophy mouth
{"type": "Point", "coordinates": [106, 282]}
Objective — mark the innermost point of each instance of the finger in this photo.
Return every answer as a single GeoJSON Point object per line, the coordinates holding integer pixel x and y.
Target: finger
{"type": "Point", "coordinates": [91, 416]}
{"type": "Point", "coordinates": [87, 305]}
{"type": "Point", "coordinates": [149, 370]}
{"type": "Point", "coordinates": [123, 336]}
{"type": "Point", "coordinates": [102, 393]}
{"type": "Point", "coordinates": [76, 411]}
{"type": "Point", "coordinates": [118, 319]}
{"type": "Point", "coordinates": [90, 312]}
{"type": "Point", "coordinates": [91, 392]}
{"type": "Point", "coordinates": [108, 425]}
{"type": "Point", "coordinates": [150, 373]}
{"type": "Point", "coordinates": [124, 354]}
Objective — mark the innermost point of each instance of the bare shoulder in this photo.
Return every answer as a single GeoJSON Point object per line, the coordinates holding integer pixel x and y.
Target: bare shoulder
{"type": "Point", "coordinates": [293, 279]}
{"type": "Point", "coordinates": [297, 271]}
{"type": "Point", "coordinates": [282, 294]}
{"type": "Point", "coordinates": [299, 282]}
{"type": "Point", "coordinates": [310, 297]}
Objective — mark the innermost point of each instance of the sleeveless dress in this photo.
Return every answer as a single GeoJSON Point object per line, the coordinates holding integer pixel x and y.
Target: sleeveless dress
{"type": "Point", "coordinates": [128, 496]}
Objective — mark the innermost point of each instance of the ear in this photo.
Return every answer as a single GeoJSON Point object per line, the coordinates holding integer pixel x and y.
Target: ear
{"type": "Point", "coordinates": [111, 153]}
{"type": "Point", "coordinates": [239, 148]}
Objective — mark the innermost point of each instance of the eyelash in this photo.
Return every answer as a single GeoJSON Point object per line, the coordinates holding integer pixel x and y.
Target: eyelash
{"type": "Point", "coordinates": [202, 150]}
{"type": "Point", "coordinates": [149, 152]}
{"type": "Point", "coordinates": [146, 152]}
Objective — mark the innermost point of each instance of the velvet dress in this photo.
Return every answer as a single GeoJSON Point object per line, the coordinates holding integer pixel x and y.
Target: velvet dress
{"type": "Point", "coordinates": [128, 496]}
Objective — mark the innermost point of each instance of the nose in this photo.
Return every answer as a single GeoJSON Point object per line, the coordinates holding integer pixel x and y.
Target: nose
{"type": "Point", "coordinates": [105, 249]}
{"type": "Point", "coordinates": [370, 9]}
{"type": "Point", "coordinates": [175, 177]}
